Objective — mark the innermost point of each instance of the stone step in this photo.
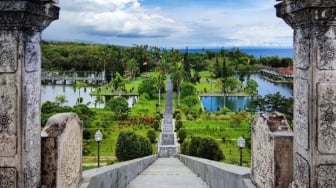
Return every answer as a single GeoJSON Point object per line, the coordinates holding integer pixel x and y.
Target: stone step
{"type": "Point", "coordinates": [167, 173]}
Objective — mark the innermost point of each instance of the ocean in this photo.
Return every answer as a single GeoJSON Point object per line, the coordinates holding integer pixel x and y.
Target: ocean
{"type": "Point", "coordinates": [256, 52]}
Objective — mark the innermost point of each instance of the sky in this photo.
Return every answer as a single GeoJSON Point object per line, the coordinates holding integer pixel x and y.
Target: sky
{"type": "Point", "coordinates": [171, 23]}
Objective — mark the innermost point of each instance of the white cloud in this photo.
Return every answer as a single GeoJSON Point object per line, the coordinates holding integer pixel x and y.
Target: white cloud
{"type": "Point", "coordinates": [127, 22]}
{"type": "Point", "coordinates": [123, 18]}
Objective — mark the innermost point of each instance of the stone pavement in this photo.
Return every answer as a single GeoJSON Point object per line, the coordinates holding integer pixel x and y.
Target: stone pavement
{"type": "Point", "coordinates": [167, 173]}
{"type": "Point", "coordinates": [168, 143]}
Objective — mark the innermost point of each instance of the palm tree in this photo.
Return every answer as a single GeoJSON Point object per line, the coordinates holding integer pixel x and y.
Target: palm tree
{"type": "Point", "coordinates": [160, 84]}
{"type": "Point", "coordinates": [132, 67]}
{"type": "Point", "coordinates": [178, 75]}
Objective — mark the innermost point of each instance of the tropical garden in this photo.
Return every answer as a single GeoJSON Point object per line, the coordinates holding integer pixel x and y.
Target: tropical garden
{"type": "Point", "coordinates": [143, 71]}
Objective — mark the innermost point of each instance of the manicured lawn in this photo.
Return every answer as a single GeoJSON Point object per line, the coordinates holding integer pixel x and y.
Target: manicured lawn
{"type": "Point", "coordinates": [217, 129]}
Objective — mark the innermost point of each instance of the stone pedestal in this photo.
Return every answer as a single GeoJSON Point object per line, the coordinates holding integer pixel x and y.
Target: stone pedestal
{"type": "Point", "coordinates": [314, 24]}
{"type": "Point", "coordinates": [272, 151]}
{"type": "Point", "coordinates": [61, 151]}
{"type": "Point", "coordinates": [21, 23]}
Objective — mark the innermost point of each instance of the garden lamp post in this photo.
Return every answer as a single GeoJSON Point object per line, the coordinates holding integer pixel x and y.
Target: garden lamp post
{"type": "Point", "coordinates": [98, 138]}
{"type": "Point", "coordinates": [241, 144]}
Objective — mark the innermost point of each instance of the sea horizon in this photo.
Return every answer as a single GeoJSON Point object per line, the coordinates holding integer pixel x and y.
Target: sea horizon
{"type": "Point", "coordinates": [257, 52]}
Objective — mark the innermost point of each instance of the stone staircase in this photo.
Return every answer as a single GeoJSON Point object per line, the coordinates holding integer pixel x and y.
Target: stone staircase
{"type": "Point", "coordinates": [167, 145]}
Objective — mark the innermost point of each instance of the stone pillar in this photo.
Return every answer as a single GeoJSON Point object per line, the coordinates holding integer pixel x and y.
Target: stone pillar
{"type": "Point", "coordinates": [314, 24]}
{"type": "Point", "coordinates": [21, 23]}
{"type": "Point", "coordinates": [62, 151]}
{"type": "Point", "coordinates": [272, 151]}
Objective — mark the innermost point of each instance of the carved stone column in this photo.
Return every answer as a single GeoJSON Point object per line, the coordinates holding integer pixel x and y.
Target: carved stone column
{"type": "Point", "coordinates": [21, 24]}
{"type": "Point", "coordinates": [314, 24]}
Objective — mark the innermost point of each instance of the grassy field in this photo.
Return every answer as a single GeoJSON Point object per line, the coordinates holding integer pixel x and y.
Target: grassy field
{"type": "Point", "coordinates": [217, 126]}
{"type": "Point", "coordinates": [222, 128]}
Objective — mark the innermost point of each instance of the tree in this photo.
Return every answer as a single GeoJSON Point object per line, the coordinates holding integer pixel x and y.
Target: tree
{"type": "Point", "coordinates": [132, 67]}
{"type": "Point", "coordinates": [119, 106]}
{"type": "Point", "coordinates": [61, 100]}
{"type": "Point", "coordinates": [160, 85]}
{"type": "Point", "coordinates": [188, 89]}
{"type": "Point", "coordinates": [230, 84]}
{"type": "Point", "coordinates": [251, 86]}
{"type": "Point", "coordinates": [118, 82]}
{"type": "Point", "coordinates": [191, 100]}
{"type": "Point", "coordinates": [131, 145]}
{"type": "Point", "coordinates": [147, 86]}
{"type": "Point", "coordinates": [178, 75]}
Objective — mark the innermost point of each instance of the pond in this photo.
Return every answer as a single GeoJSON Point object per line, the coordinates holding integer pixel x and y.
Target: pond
{"type": "Point", "coordinates": [266, 87]}
{"type": "Point", "coordinates": [49, 92]}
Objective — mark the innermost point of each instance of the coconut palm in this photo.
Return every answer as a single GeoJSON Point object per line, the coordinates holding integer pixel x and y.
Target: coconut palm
{"type": "Point", "coordinates": [178, 75]}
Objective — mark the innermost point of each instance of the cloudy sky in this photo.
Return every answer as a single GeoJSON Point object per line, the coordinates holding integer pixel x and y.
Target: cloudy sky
{"type": "Point", "coordinates": [171, 23]}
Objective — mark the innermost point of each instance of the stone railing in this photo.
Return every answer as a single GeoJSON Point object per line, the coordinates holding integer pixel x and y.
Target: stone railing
{"type": "Point", "coordinates": [217, 174]}
{"type": "Point", "coordinates": [61, 151]}
{"type": "Point", "coordinates": [117, 175]}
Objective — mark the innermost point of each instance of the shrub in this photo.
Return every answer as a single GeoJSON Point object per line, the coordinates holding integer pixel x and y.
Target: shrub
{"type": "Point", "coordinates": [205, 147]}
{"type": "Point", "coordinates": [209, 149]}
{"type": "Point", "coordinates": [156, 125]}
{"type": "Point", "coordinates": [181, 134]}
{"type": "Point", "coordinates": [190, 100]}
{"type": "Point", "coordinates": [118, 105]}
{"type": "Point", "coordinates": [178, 125]}
{"type": "Point", "coordinates": [130, 146]}
{"type": "Point", "coordinates": [151, 135]}
{"type": "Point", "coordinates": [188, 89]}
{"type": "Point", "coordinates": [193, 145]}
{"type": "Point", "coordinates": [185, 147]}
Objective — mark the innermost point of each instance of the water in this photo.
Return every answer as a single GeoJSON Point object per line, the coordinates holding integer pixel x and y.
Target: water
{"type": "Point", "coordinates": [256, 52]}
{"type": "Point", "coordinates": [266, 87]}
{"type": "Point", "coordinates": [49, 92]}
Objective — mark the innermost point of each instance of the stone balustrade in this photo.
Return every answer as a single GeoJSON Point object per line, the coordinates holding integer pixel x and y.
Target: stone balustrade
{"type": "Point", "coordinates": [118, 175]}
{"type": "Point", "coordinates": [61, 151]}
{"type": "Point", "coordinates": [218, 174]}
{"type": "Point", "coordinates": [272, 151]}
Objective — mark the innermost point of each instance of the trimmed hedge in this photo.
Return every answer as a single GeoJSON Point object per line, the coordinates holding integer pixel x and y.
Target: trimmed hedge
{"type": "Point", "coordinates": [131, 145]}
{"type": "Point", "coordinates": [204, 147]}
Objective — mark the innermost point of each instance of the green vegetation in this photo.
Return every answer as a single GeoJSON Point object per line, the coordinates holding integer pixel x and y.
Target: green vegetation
{"type": "Point", "coordinates": [131, 146]}
{"type": "Point", "coordinates": [141, 71]}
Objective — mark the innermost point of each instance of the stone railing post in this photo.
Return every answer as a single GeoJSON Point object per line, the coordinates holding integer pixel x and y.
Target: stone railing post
{"type": "Point", "coordinates": [61, 151]}
{"type": "Point", "coordinates": [314, 24]}
{"type": "Point", "coordinates": [21, 24]}
{"type": "Point", "coordinates": [272, 151]}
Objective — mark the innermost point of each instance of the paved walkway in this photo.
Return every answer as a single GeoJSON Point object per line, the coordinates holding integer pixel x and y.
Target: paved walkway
{"type": "Point", "coordinates": [167, 173]}
{"type": "Point", "coordinates": [168, 142]}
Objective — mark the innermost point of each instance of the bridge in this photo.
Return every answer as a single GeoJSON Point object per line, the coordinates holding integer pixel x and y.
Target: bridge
{"type": "Point", "coordinates": [57, 77]}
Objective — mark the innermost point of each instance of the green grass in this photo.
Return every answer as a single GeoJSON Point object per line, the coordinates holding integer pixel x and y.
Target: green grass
{"type": "Point", "coordinates": [217, 129]}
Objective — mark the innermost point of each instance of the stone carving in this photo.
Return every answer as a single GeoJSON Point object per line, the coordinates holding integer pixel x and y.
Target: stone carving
{"type": "Point", "coordinates": [70, 161]}
{"type": "Point", "coordinates": [301, 113]}
{"type": "Point", "coordinates": [32, 58]}
{"type": "Point", "coordinates": [8, 60]}
{"type": "Point", "coordinates": [7, 177]}
{"type": "Point", "coordinates": [327, 118]}
{"type": "Point", "coordinates": [327, 51]}
{"type": "Point", "coordinates": [262, 154]}
{"type": "Point", "coordinates": [62, 151]}
{"type": "Point", "coordinates": [326, 176]}
{"type": "Point", "coordinates": [8, 138]}
{"type": "Point", "coordinates": [301, 49]}
{"type": "Point", "coordinates": [32, 110]}
{"type": "Point", "coordinates": [301, 172]}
